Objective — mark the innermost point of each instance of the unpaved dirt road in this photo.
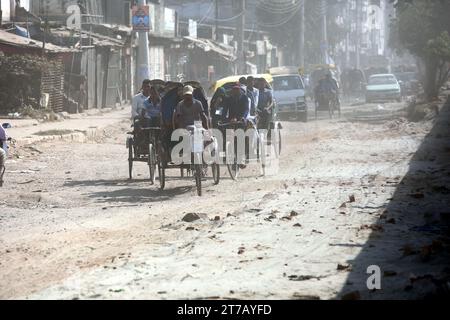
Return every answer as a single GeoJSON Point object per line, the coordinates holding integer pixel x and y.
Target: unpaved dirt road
{"type": "Point", "coordinates": [73, 227]}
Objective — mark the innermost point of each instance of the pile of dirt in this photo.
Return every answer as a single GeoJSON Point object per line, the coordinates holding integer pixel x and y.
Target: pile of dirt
{"type": "Point", "coordinates": [424, 111]}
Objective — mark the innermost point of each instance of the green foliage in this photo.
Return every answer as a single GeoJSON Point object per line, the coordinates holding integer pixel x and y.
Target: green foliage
{"type": "Point", "coordinates": [422, 27]}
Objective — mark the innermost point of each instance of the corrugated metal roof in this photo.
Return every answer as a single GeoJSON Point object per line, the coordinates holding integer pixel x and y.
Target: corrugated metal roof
{"type": "Point", "coordinates": [210, 45]}
{"type": "Point", "coordinates": [97, 39]}
{"type": "Point", "coordinates": [22, 42]}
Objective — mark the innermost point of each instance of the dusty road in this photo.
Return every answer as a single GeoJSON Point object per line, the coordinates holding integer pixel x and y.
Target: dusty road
{"type": "Point", "coordinates": [73, 227]}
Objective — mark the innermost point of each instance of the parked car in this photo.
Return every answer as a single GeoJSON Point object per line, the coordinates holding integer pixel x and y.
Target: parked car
{"type": "Point", "coordinates": [290, 96]}
{"type": "Point", "coordinates": [383, 87]}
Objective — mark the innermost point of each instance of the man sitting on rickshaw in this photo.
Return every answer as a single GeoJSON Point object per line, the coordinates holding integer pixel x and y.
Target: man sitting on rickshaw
{"type": "Point", "coordinates": [152, 109]}
{"type": "Point", "coordinates": [265, 109]}
{"type": "Point", "coordinates": [236, 106]}
{"type": "Point", "coordinates": [189, 110]}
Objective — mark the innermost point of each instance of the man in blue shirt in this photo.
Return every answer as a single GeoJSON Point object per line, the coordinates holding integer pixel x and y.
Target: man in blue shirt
{"type": "Point", "coordinates": [237, 106]}
{"type": "Point", "coordinates": [152, 108]}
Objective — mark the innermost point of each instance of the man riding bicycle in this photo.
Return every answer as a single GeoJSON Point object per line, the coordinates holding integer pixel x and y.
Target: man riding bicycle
{"type": "Point", "coordinates": [236, 106]}
{"type": "Point", "coordinates": [189, 110]}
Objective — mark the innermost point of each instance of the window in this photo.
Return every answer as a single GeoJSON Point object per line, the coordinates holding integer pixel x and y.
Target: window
{"type": "Point", "coordinates": [287, 83]}
{"type": "Point", "coordinates": [382, 80]}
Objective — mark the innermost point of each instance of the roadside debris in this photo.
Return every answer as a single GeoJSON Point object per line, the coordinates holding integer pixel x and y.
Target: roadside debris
{"type": "Point", "coordinates": [373, 227]}
{"type": "Point", "coordinates": [354, 295]}
{"type": "Point", "coordinates": [191, 217]}
{"type": "Point", "coordinates": [299, 296]}
{"type": "Point", "coordinates": [344, 267]}
{"type": "Point", "coordinates": [304, 278]}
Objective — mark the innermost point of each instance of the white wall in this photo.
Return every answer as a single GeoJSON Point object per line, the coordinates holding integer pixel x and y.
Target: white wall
{"type": "Point", "coordinates": [6, 11]}
{"type": "Point", "coordinates": [8, 8]}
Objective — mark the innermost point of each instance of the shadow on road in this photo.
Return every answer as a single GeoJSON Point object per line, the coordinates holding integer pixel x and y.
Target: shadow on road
{"type": "Point", "coordinates": [130, 191]}
{"type": "Point", "coordinates": [410, 242]}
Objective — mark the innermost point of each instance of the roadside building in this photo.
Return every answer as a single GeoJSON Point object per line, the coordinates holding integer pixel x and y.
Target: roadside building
{"type": "Point", "coordinates": [49, 88]}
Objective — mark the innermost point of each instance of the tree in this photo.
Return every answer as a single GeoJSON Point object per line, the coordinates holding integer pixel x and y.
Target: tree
{"type": "Point", "coordinates": [422, 27]}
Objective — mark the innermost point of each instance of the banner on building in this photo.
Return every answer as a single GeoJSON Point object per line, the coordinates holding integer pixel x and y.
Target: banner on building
{"type": "Point", "coordinates": [141, 18]}
{"type": "Point", "coordinates": [260, 47]}
{"type": "Point", "coordinates": [169, 21]}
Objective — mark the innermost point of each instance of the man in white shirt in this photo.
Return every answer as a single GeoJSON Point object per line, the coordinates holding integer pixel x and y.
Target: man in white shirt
{"type": "Point", "coordinates": [137, 105]}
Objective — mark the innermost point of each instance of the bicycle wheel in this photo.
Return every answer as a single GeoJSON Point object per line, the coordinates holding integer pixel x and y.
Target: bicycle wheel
{"type": "Point", "coordinates": [216, 173]}
{"type": "Point", "coordinates": [130, 158]}
{"type": "Point", "coordinates": [162, 176]}
{"type": "Point", "coordinates": [262, 153]}
{"type": "Point", "coordinates": [233, 166]}
{"type": "Point", "coordinates": [198, 179]}
{"type": "Point", "coordinates": [152, 163]}
{"type": "Point", "coordinates": [2, 173]}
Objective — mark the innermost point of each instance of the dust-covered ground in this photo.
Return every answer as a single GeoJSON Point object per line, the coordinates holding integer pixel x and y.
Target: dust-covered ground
{"type": "Point", "coordinates": [346, 194]}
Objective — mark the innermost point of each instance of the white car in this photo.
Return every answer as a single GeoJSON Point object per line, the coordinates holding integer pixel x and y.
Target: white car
{"type": "Point", "coordinates": [383, 87]}
{"type": "Point", "coordinates": [289, 94]}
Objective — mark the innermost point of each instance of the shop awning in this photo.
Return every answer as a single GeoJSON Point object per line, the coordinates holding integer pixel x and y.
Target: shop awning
{"type": "Point", "coordinates": [14, 40]}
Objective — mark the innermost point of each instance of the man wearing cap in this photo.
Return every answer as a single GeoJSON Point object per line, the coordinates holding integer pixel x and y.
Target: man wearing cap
{"type": "Point", "coordinates": [189, 110]}
{"type": "Point", "coordinates": [236, 106]}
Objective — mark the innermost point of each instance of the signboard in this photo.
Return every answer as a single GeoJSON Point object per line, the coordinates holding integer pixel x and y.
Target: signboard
{"type": "Point", "coordinates": [141, 18]}
{"type": "Point", "coordinates": [260, 47]}
{"type": "Point", "coordinates": [169, 20]}
{"type": "Point", "coordinates": [193, 28]}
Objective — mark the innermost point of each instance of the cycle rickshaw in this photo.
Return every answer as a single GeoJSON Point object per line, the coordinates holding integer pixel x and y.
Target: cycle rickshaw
{"type": "Point", "coordinates": [199, 140]}
{"type": "Point", "coordinates": [255, 144]}
{"type": "Point", "coordinates": [327, 102]}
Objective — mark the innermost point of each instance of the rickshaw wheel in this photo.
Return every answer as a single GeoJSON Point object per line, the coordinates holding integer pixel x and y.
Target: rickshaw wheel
{"type": "Point", "coordinates": [152, 163]}
{"type": "Point", "coordinates": [233, 168]}
{"type": "Point", "coordinates": [198, 179]}
{"type": "Point", "coordinates": [262, 152]}
{"type": "Point", "coordinates": [277, 145]}
{"type": "Point", "coordinates": [216, 173]}
{"type": "Point", "coordinates": [162, 176]}
{"type": "Point", "coordinates": [2, 172]}
{"type": "Point", "coordinates": [130, 158]}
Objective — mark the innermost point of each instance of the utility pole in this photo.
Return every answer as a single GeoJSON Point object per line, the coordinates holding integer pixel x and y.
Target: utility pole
{"type": "Point", "coordinates": [358, 33]}
{"type": "Point", "coordinates": [324, 44]}
{"type": "Point", "coordinates": [143, 56]}
{"type": "Point", "coordinates": [216, 21]}
{"type": "Point", "coordinates": [301, 42]}
{"type": "Point", "coordinates": [240, 37]}
{"type": "Point", "coordinates": [347, 39]}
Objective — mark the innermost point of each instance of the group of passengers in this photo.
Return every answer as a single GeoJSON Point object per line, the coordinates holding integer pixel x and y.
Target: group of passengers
{"type": "Point", "coordinates": [247, 100]}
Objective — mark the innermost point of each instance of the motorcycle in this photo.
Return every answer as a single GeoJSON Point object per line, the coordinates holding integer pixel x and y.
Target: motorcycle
{"type": "Point", "coordinates": [5, 147]}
